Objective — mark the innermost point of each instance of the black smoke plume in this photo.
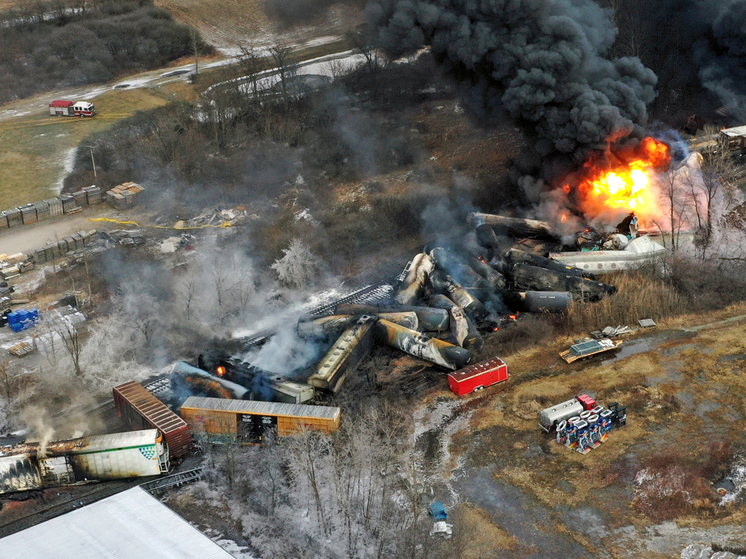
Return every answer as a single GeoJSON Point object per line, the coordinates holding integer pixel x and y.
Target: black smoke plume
{"type": "Point", "coordinates": [695, 47]}
{"type": "Point", "coordinates": [720, 53]}
{"type": "Point", "coordinates": [542, 62]}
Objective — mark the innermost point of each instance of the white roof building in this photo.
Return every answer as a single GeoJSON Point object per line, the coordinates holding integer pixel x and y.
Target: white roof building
{"type": "Point", "coordinates": [128, 525]}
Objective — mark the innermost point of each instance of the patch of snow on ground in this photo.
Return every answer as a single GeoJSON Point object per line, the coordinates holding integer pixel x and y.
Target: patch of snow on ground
{"type": "Point", "coordinates": [443, 418]}
{"type": "Point", "coordinates": [68, 161]}
{"type": "Point", "coordinates": [738, 477]}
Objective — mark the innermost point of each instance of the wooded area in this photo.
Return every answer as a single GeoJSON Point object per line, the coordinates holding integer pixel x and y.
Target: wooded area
{"type": "Point", "coordinates": [48, 45]}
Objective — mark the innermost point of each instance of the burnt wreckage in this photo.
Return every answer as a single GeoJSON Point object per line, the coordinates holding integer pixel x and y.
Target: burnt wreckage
{"type": "Point", "coordinates": [435, 310]}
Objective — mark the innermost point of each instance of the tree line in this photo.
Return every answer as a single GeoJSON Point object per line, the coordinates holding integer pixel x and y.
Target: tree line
{"type": "Point", "coordinates": [48, 45]}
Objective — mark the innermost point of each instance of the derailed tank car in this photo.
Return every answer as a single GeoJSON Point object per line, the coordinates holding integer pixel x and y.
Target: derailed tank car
{"type": "Point", "coordinates": [100, 457]}
{"type": "Point", "coordinates": [249, 422]}
{"type": "Point", "coordinates": [19, 473]}
{"type": "Point", "coordinates": [140, 409]}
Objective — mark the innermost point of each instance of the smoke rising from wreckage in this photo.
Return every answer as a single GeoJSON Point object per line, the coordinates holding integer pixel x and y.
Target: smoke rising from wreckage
{"type": "Point", "coordinates": [544, 64]}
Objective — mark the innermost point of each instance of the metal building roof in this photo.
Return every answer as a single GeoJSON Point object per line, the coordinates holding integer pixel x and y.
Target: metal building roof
{"type": "Point", "coordinates": [266, 408]}
{"type": "Point", "coordinates": [128, 525]}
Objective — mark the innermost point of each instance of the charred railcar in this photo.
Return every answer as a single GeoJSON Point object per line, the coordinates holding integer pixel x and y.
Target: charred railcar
{"type": "Point", "coordinates": [250, 422]}
{"type": "Point", "coordinates": [101, 457]}
{"type": "Point", "coordinates": [344, 356]}
{"type": "Point", "coordinates": [140, 409]}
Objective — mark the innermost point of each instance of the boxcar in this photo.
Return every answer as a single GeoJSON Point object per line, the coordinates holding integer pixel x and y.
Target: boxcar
{"type": "Point", "coordinates": [248, 422]}
{"type": "Point", "coordinates": [290, 392]}
{"type": "Point", "coordinates": [140, 409]}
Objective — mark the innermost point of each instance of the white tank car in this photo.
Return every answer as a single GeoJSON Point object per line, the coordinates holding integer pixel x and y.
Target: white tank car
{"type": "Point", "coordinates": [549, 417]}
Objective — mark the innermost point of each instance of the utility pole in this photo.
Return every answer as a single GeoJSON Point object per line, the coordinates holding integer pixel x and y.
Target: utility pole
{"type": "Point", "coordinates": [93, 162]}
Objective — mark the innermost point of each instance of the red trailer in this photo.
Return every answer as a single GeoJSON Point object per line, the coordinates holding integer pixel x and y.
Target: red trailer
{"type": "Point", "coordinates": [478, 376]}
{"type": "Point", "coordinates": [141, 410]}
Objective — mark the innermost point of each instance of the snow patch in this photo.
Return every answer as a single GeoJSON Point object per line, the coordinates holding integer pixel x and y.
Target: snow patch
{"type": "Point", "coordinates": [68, 161]}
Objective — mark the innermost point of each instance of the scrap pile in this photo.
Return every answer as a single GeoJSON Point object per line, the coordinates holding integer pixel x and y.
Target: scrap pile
{"type": "Point", "coordinates": [446, 297]}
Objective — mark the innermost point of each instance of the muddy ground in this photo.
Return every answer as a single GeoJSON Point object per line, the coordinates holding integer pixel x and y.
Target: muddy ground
{"type": "Point", "coordinates": [514, 492]}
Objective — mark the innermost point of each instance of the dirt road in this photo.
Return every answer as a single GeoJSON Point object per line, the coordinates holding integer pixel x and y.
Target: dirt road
{"type": "Point", "coordinates": [27, 238]}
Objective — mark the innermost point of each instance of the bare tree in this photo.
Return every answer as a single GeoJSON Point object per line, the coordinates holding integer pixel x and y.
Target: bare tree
{"type": "Point", "coordinates": [286, 68]}
{"type": "Point", "coordinates": [252, 63]}
{"type": "Point", "coordinates": [12, 381]}
{"type": "Point", "coordinates": [185, 291]}
{"type": "Point", "coordinates": [360, 40]}
{"type": "Point", "coordinates": [71, 337]}
{"type": "Point", "coordinates": [298, 265]}
{"type": "Point", "coordinates": [674, 198]}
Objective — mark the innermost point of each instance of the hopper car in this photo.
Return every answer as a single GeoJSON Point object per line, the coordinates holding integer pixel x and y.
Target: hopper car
{"type": "Point", "coordinates": [28, 466]}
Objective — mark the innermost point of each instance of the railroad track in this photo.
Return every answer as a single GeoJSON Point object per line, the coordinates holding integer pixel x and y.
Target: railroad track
{"type": "Point", "coordinates": [416, 384]}
{"type": "Point", "coordinates": [174, 480]}
{"type": "Point", "coordinates": [374, 294]}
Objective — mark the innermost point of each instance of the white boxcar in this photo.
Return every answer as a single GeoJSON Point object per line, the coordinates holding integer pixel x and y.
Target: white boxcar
{"type": "Point", "coordinates": [120, 455]}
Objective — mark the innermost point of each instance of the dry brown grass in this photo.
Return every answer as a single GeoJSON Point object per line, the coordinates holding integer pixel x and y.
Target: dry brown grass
{"type": "Point", "coordinates": [640, 295]}
{"type": "Point", "coordinates": [477, 537]}
{"type": "Point", "coordinates": [677, 481]}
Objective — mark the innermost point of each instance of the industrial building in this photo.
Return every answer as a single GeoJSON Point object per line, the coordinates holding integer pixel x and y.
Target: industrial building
{"type": "Point", "coordinates": [128, 525]}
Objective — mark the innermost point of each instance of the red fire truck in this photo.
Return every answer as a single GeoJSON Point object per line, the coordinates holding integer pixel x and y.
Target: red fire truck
{"type": "Point", "coordinates": [71, 108]}
{"type": "Point", "coordinates": [478, 376]}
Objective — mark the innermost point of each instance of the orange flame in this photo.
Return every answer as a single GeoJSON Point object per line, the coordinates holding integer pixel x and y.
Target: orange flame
{"type": "Point", "coordinates": [627, 186]}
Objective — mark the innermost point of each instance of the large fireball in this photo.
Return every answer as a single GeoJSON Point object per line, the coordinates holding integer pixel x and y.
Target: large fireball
{"type": "Point", "coordinates": [628, 186]}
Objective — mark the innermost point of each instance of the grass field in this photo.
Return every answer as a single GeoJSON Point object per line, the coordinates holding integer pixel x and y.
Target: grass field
{"type": "Point", "coordinates": [223, 24]}
{"type": "Point", "coordinates": [36, 147]}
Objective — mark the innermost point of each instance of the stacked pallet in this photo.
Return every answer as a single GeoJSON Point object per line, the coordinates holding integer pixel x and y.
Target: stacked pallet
{"type": "Point", "coordinates": [65, 203]}
{"type": "Point", "coordinates": [124, 195]}
{"type": "Point", "coordinates": [52, 251]}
